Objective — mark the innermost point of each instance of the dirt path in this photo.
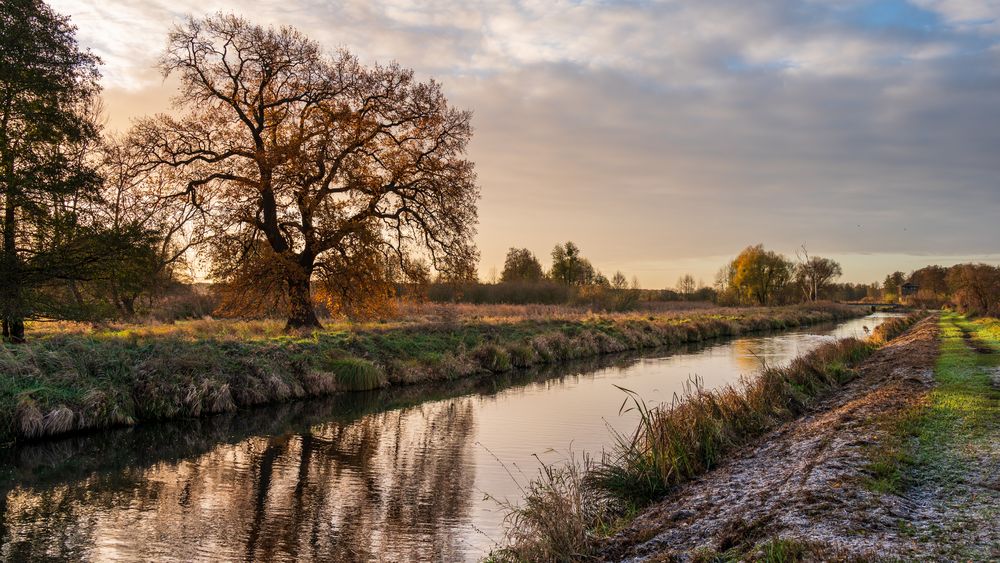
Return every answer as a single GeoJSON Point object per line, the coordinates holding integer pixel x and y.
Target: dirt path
{"type": "Point", "coordinates": [808, 480]}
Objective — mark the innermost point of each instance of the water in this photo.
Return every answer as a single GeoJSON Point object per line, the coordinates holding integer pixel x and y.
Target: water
{"type": "Point", "coordinates": [405, 474]}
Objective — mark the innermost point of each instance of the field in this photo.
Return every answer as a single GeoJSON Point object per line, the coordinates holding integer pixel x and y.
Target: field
{"type": "Point", "coordinates": [72, 377]}
{"type": "Point", "coordinates": [944, 452]}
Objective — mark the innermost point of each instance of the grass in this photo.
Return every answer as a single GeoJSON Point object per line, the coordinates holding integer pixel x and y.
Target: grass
{"type": "Point", "coordinates": [355, 374]}
{"type": "Point", "coordinates": [944, 449]}
{"type": "Point", "coordinates": [773, 550]}
{"type": "Point", "coordinates": [76, 377]}
{"type": "Point", "coordinates": [673, 444]}
{"type": "Point", "coordinates": [556, 519]}
{"type": "Point", "coordinates": [961, 412]}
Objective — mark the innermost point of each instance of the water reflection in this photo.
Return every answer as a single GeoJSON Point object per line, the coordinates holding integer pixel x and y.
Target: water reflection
{"type": "Point", "coordinates": [394, 475]}
{"type": "Point", "coordinates": [335, 492]}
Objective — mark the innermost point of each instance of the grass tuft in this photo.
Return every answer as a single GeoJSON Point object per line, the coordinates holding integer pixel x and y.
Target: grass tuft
{"type": "Point", "coordinates": [493, 358]}
{"type": "Point", "coordinates": [354, 374]}
{"type": "Point", "coordinates": [555, 519]}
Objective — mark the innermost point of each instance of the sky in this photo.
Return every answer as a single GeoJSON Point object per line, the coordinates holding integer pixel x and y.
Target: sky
{"type": "Point", "coordinates": [664, 136]}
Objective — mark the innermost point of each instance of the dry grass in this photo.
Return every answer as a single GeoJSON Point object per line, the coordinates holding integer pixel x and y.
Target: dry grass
{"type": "Point", "coordinates": [556, 519]}
{"type": "Point", "coordinates": [409, 314]}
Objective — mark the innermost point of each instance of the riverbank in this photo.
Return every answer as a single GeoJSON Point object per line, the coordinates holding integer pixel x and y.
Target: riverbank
{"type": "Point", "coordinates": [902, 461]}
{"type": "Point", "coordinates": [571, 506]}
{"type": "Point", "coordinates": [64, 382]}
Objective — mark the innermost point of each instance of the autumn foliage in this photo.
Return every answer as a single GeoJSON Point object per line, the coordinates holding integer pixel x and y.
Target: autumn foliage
{"type": "Point", "coordinates": [313, 170]}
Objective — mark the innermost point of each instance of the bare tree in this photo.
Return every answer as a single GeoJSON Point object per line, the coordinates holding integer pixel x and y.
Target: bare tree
{"type": "Point", "coordinates": [812, 274]}
{"type": "Point", "coordinates": [686, 285]}
{"type": "Point", "coordinates": [139, 196]}
{"type": "Point", "coordinates": [312, 164]}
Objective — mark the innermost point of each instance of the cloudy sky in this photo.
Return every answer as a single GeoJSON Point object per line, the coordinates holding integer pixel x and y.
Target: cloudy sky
{"type": "Point", "coordinates": [664, 136]}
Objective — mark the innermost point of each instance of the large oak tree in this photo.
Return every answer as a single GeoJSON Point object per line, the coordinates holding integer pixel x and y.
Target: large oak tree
{"type": "Point", "coordinates": [311, 166]}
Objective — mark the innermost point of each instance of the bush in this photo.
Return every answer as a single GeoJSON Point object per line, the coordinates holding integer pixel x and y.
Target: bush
{"type": "Point", "coordinates": [543, 292]}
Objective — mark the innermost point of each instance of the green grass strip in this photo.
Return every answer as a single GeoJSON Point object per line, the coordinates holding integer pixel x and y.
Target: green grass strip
{"type": "Point", "coordinates": [964, 407]}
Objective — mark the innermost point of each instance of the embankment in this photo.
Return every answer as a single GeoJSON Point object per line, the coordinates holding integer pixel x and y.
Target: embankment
{"type": "Point", "coordinates": [64, 383]}
{"type": "Point", "coordinates": [803, 490]}
{"type": "Point", "coordinates": [901, 465]}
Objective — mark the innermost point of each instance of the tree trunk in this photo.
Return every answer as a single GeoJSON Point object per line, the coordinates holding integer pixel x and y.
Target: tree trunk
{"type": "Point", "coordinates": [77, 296]}
{"type": "Point", "coordinates": [128, 306]}
{"type": "Point", "coordinates": [301, 312]}
{"type": "Point", "coordinates": [16, 330]}
{"type": "Point", "coordinates": [13, 315]}
{"type": "Point", "coordinates": [117, 299]}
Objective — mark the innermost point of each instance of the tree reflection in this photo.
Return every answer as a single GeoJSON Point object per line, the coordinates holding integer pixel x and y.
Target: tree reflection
{"type": "Point", "coordinates": [383, 475]}
{"type": "Point", "coordinates": [396, 482]}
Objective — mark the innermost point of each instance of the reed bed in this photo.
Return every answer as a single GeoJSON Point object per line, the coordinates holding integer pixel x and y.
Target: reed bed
{"type": "Point", "coordinates": [673, 444]}
{"type": "Point", "coordinates": [75, 379]}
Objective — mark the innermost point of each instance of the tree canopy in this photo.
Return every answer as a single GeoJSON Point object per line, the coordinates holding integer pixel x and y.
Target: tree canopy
{"type": "Point", "coordinates": [570, 268]}
{"type": "Point", "coordinates": [813, 274]}
{"type": "Point", "coordinates": [758, 276]}
{"type": "Point", "coordinates": [48, 186]}
{"type": "Point", "coordinates": [313, 167]}
{"type": "Point", "coordinates": [521, 266]}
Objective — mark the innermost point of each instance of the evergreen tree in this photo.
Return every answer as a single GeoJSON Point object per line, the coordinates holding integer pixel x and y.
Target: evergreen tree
{"type": "Point", "coordinates": [48, 189]}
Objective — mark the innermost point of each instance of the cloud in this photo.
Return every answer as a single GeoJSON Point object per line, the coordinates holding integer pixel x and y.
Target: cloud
{"type": "Point", "coordinates": [652, 130]}
{"type": "Point", "coordinates": [969, 14]}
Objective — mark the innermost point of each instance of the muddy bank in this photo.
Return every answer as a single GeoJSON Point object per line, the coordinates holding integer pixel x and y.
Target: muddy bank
{"type": "Point", "coordinates": [806, 482]}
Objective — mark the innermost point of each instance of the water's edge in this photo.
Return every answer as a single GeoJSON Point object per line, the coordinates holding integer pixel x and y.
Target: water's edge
{"type": "Point", "coordinates": [732, 329]}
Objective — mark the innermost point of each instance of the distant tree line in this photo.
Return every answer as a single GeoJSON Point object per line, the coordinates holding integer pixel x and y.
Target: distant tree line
{"type": "Point", "coordinates": [970, 288]}
{"type": "Point", "coordinates": [571, 278]}
{"type": "Point", "coordinates": [755, 277]}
